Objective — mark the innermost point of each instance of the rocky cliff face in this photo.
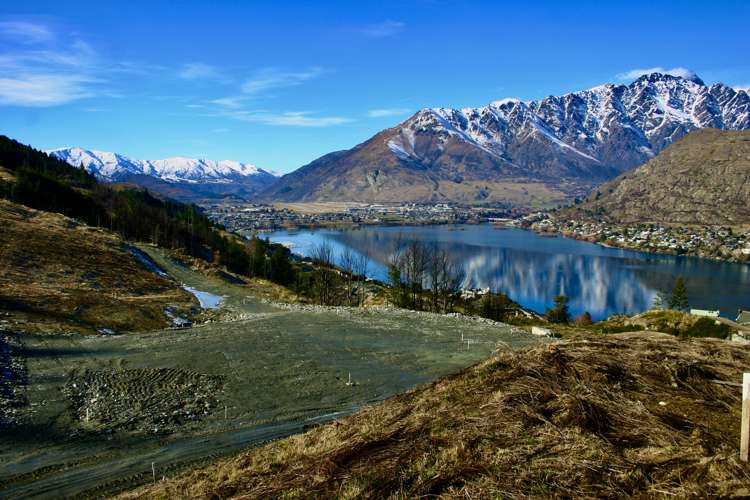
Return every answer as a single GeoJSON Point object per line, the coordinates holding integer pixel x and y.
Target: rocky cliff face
{"type": "Point", "coordinates": [523, 152]}
{"type": "Point", "coordinates": [703, 179]}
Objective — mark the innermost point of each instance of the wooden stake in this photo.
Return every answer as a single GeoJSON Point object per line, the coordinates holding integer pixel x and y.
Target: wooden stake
{"type": "Point", "coordinates": [153, 471]}
{"type": "Point", "coordinates": [745, 429]}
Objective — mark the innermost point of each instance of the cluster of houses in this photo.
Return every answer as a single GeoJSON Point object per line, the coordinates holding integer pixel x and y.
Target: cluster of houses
{"type": "Point", "coordinates": [709, 242]}
{"type": "Point", "coordinates": [252, 217]}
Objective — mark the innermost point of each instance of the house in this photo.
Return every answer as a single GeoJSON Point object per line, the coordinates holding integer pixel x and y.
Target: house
{"type": "Point", "coordinates": [703, 312]}
{"type": "Point", "coordinates": [743, 318]}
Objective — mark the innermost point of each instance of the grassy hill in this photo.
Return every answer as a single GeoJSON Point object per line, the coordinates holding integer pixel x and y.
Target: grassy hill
{"type": "Point", "coordinates": [704, 178]}
{"type": "Point", "coordinates": [59, 274]}
{"type": "Point", "coordinates": [633, 414]}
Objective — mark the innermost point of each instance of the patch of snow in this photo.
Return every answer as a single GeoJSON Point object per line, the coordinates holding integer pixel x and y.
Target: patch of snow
{"type": "Point", "coordinates": [207, 300]}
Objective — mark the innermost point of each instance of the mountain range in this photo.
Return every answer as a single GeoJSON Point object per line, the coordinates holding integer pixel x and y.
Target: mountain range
{"type": "Point", "coordinates": [186, 179]}
{"type": "Point", "coordinates": [522, 152]}
{"type": "Point", "coordinates": [704, 179]}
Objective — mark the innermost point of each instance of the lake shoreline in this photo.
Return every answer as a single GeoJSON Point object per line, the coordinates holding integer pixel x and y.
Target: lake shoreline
{"type": "Point", "coordinates": [532, 267]}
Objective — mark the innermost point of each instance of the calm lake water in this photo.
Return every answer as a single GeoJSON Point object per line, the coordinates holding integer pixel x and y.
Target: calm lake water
{"type": "Point", "coordinates": [533, 269]}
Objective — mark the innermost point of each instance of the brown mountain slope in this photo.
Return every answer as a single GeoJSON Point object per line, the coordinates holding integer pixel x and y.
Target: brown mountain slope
{"type": "Point", "coordinates": [703, 179]}
{"type": "Point", "coordinates": [627, 415]}
{"type": "Point", "coordinates": [456, 171]}
{"type": "Point", "coordinates": [58, 275]}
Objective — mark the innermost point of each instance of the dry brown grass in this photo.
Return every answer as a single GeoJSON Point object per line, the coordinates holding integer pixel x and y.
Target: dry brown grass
{"type": "Point", "coordinates": [6, 175]}
{"type": "Point", "coordinates": [60, 275]}
{"type": "Point", "coordinates": [617, 415]}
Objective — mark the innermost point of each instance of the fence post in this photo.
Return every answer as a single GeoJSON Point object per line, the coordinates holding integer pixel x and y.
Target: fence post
{"type": "Point", "coordinates": [745, 430]}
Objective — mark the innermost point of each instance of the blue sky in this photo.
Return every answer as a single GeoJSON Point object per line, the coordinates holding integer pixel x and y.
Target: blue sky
{"type": "Point", "coordinates": [280, 83]}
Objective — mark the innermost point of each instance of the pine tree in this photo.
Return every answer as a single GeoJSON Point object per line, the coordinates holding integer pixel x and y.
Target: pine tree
{"type": "Point", "coordinates": [559, 313]}
{"type": "Point", "coordinates": [679, 298]}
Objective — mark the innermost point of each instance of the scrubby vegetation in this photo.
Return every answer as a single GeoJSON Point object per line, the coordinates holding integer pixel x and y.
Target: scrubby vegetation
{"type": "Point", "coordinates": [669, 321]}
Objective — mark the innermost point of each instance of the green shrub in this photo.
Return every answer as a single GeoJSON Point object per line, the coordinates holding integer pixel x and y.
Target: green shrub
{"type": "Point", "coordinates": [620, 328]}
{"type": "Point", "coordinates": [707, 327]}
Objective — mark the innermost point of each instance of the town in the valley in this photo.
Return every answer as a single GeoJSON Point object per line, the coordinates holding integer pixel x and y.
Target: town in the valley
{"type": "Point", "coordinates": [713, 242]}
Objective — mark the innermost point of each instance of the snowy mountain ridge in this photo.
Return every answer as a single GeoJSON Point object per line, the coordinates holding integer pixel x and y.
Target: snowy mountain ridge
{"type": "Point", "coordinates": [112, 167]}
{"type": "Point", "coordinates": [652, 111]}
{"type": "Point", "coordinates": [520, 152]}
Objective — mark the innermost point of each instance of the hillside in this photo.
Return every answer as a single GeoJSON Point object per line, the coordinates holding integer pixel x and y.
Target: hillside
{"type": "Point", "coordinates": [184, 179]}
{"type": "Point", "coordinates": [703, 179]}
{"type": "Point", "coordinates": [67, 261]}
{"type": "Point", "coordinates": [60, 275]}
{"type": "Point", "coordinates": [621, 415]}
{"type": "Point", "coordinates": [524, 152]}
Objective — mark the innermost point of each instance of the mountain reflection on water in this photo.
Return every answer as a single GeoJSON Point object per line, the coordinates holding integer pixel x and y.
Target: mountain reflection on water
{"type": "Point", "coordinates": [533, 269]}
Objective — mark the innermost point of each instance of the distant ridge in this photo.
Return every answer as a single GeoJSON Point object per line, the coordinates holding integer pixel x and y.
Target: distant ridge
{"type": "Point", "coordinates": [526, 153]}
{"type": "Point", "coordinates": [186, 179]}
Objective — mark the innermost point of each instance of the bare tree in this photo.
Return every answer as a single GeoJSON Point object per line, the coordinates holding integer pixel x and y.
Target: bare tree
{"type": "Point", "coordinates": [445, 279]}
{"type": "Point", "coordinates": [453, 278]}
{"type": "Point", "coordinates": [414, 261]}
{"type": "Point", "coordinates": [347, 266]}
{"type": "Point", "coordinates": [396, 269]}
{"type": "Point", "coordinates": [322, 255]}
{"type": "Point", "coordinates": [436, 264]}
{"type": "Point", "coordinates": [361, 267]}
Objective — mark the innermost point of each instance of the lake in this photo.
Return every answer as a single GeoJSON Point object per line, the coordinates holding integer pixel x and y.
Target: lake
{"type": "Point", "coordinates": [533, 269]}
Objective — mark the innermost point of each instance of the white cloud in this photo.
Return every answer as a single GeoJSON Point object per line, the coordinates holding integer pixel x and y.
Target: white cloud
{"type": "Point", "coordinates": [636, 73]}
{"type": "Point", "coordinates": [258, 86]}
{"type": "Point", "coordinates": [289, 118]}
{"type": "Point", "coordinates": [40, 90]}
{"type": "Point", "coordinates": [138, 68]}
{"type": "Point", "coordinates": [384, 29]}
{"type": "Point", "coordinates": [25, 32]}
{"type": "Point", "coordinates": [272, 78]}
{"type": "Point", "coordinates": [384, 112]}
{"type": "Point", "coordinates": [200, 71]}
{"type": "Point", "coordinates": [746, 88]}
{"type": "Point", "coordinates": [231, 102]}
{"type": "Point", "coordinates": [47, 75]}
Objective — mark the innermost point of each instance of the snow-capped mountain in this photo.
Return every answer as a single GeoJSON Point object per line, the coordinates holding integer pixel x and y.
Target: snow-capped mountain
{"type": "Point", "coordinates": [514, 150]}
{"type": "Point", "coordinates": [178, 175]}
{"type": "Point", "coordinates": [112, 167]}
